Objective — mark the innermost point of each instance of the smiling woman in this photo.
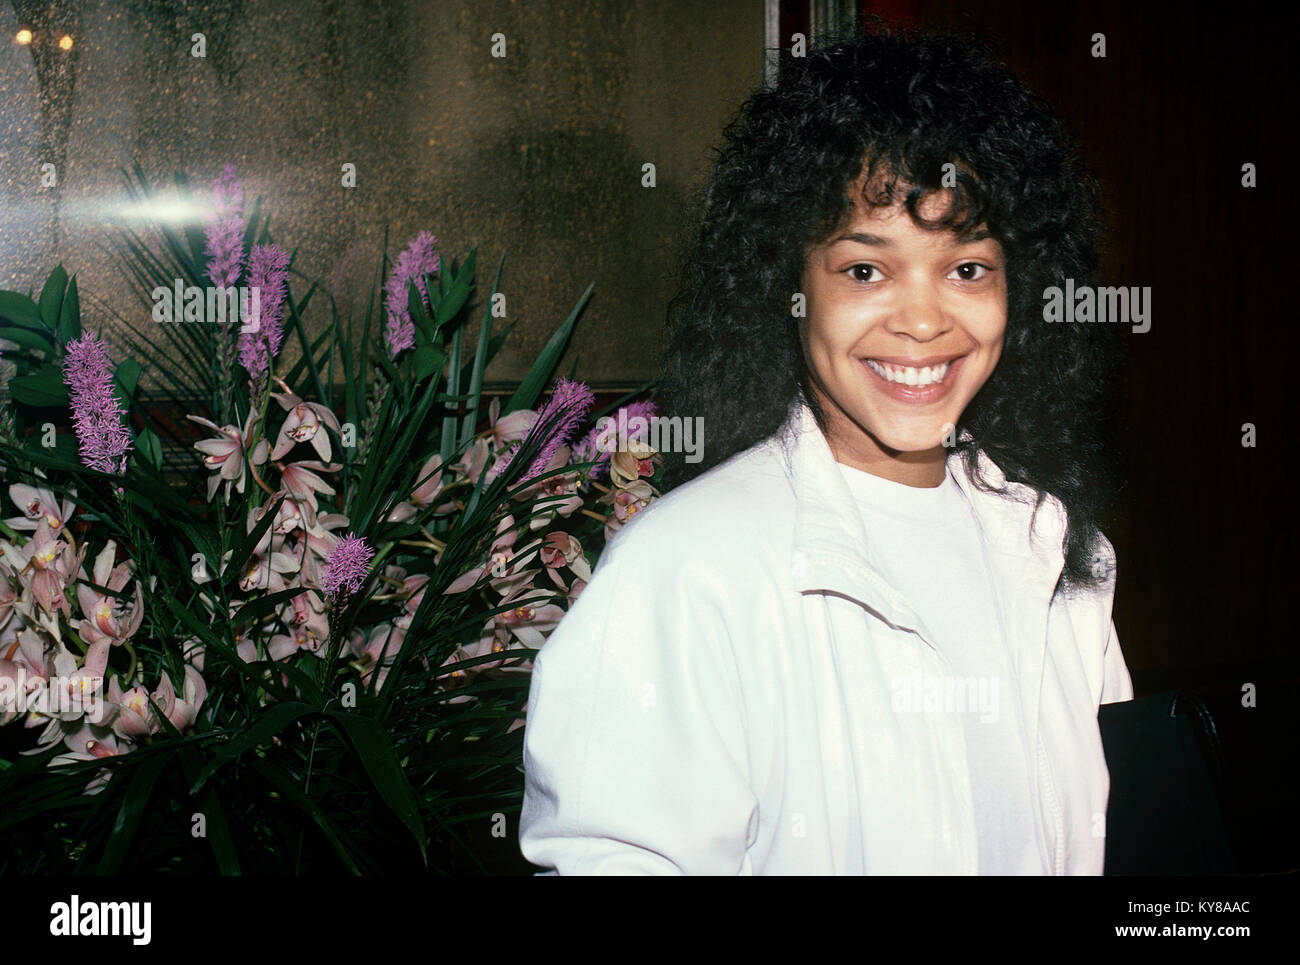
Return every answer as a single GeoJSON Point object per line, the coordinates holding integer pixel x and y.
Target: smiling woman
{"type": "Point", "coordinates": [870, 631]}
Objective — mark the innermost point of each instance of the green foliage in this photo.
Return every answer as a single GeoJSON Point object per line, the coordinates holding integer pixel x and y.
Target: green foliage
{"type": "Point", "coordinates": [299, 765]}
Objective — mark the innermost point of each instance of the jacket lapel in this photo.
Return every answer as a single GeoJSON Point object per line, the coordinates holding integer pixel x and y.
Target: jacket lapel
{"type": "Point", "coordinates": [832, 553]}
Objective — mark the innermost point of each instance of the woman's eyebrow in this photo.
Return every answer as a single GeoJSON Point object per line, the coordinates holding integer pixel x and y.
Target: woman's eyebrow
{"type": "Point", "coordinates": [878, 241]}
{"type": "Point", "coordinates": [862, 238]}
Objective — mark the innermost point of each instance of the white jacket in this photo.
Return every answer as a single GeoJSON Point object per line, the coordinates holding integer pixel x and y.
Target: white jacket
{"type": "Point", "coordinates": [718, 699]}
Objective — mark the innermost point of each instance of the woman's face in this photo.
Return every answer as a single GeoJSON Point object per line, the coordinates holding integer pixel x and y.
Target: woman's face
{"type": "Point", "coordinates": [903, 327]}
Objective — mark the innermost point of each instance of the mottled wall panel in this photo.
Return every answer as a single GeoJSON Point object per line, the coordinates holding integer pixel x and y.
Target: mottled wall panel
{"type": "Point", "coordinates": [540, 152]}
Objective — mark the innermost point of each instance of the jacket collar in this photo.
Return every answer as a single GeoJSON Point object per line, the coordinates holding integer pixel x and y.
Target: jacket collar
{"type": "Point", "coordinates": [833, 552]}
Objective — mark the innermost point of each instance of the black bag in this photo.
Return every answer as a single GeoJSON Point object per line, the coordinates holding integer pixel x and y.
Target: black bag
{"type": "Point", "coordinates": [1166, 814]}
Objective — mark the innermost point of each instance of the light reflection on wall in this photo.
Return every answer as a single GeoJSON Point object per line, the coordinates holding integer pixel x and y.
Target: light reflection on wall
{"type": "Point", "coordinates": [539, 153]}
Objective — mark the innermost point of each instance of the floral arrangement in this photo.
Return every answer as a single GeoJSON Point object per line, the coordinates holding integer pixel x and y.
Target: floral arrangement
{"type": "Point", "coordinates": [308, 650]}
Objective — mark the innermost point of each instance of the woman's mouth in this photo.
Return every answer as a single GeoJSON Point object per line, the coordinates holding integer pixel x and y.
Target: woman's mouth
{"type": "Point", "coordinates": [916, 384]}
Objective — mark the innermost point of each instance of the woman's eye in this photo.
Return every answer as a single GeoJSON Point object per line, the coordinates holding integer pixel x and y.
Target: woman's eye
{"type": "Point", "coordinates": [869, 269]}
{"type": "Point", "coordinates": [971, 271]}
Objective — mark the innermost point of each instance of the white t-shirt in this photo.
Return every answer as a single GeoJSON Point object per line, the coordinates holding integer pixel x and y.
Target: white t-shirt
{"type": "Point", "coordinates": [934, 556]}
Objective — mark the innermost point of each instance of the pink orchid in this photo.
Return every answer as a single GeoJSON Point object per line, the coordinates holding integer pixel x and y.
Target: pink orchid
{"type": "Point", "coordinates": [135, 718]}
{"type": "Point", "coordinates": [429, 483]}
{"type": "Point", "coordinates": [308, 626]}
{"type": "Point", "coordinates": [102, 622]}
{"type": "Point", "coordinates": [299, 479]}
{"type": "Point", "coordinates": [379, 650]}
{"type": "Point", "coordinates": [181, 711]}
{"type": "Point", "coordinates": [225, 453]}
{"type": "Point", "coordinates": [560, 549]}
{"type": "Point", "coordinates": [52, 562]}
{"type": "Point", "coordinates": [267, 564]}
{"type": "Point", "coordinates": [557, 495]}
{"type": "Point", "coordinates": [474, 461]}
{"type": "Point", "coordinates": [87, 743]}
{"type": "Point", "coordinates": [523, 625]}
{"type": "Point", "coordinates": [531, 619]}
{"type": "Point", "coordinates": [303, 424]}
{"type": "Point", "coordinates": [320, 537]}
{"type": "Point", "coordinates": [511, 428]}
{"type": "Point", "coordinates": [290, 515]}
{"type": "Point", "coordinates": [47, 669]}
{"type": "Point", "coordinates": [38, 503]}
{"type": "Point", "coordinates": [501, 562]}
{"type": "Point", "coordinates": [277, 648]}
{"type": "Point", "coordinates": [627, 502]}
{"type": "Point", "coordinates": [8, 592]}
{"type": "Point", "coordinates": [415, 586]}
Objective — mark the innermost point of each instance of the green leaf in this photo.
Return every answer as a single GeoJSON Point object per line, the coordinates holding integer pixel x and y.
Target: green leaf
{"type": "Point", "coordinates": [452, 303]}
{"type": "Point", "coordinates": [531, 387]}
{"type": "Point", "coordinates": [426, 360]}
{"type": "Point", "coordinates": [470, 422]}
{"type": "Point", "coordinates": [127, 376]}
{"type": "Point", "coordinates": [218, 829]}
{"type": "Point", "coordinates": [387, 365]}
{"type": "Point", "coordinates": [255, 609]}
{"type": "Point", "coordinates": [274, 720]}
{"type": "Point", "coordinates": [51, 300]}
{"type": "Point", "coordinates": [282, 782]}
{"type": "Point", "coordinates": [247, 542]}
{"type": "Point", "coordinates": [70, 314]}
{"type": "Point", "coordinates": [380, 760]}
{"type": "Point", "coordinates": [133, 807]}
{"type": "Point", "coordinates": [419, 314]}
{"type": "Point", "coordinates": [18, 308]}
{"type": "Point", "coordinates": [148, 445]}
{"type": "Point", "coordinates": [44, 387]}
{"type": "Point", "coordinates": [28, 338]}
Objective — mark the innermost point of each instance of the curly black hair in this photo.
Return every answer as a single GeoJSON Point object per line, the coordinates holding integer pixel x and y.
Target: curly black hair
{"type": "Point", "coordinates": [897, 107]}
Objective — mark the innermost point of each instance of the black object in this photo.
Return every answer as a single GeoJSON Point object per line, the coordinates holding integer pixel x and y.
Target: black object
{"type": "Point", "coordinates": [1168, 787]}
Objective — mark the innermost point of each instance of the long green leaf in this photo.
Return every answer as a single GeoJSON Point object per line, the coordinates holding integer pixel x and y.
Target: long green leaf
{"type": "Point", "coordinates": [375, 749]}
{"type": "Point", "coordinates": [540, 373]}
{"type": "Point", "coordinates": [134, 803]}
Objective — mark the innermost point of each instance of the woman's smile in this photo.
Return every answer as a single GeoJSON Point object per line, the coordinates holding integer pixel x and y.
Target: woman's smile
{"type": "Point", "coordinates": [918, 383]}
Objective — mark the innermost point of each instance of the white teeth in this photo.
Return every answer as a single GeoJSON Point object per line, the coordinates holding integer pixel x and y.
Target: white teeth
{"type": "Point", "coordinates": [909, 376]}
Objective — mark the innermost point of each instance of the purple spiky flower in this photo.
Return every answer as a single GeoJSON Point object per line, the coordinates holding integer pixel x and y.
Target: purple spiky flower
{"type": "Point", "coordinates": [268, 272]}
{"type": "Point", "coordinates": [96, 412]}
{"type": "Point", "coordinates": [345, 567]}
{"type": "Point", "coordinates": [225, 232]}
{"type": "Point", "coordinates": [563, 412]}
{"type": "Point", "coordinates": [419, 259]}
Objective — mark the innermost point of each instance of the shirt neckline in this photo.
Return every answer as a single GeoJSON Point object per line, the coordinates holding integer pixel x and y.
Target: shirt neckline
{"type": "Point", "coordinates": [920, 505]}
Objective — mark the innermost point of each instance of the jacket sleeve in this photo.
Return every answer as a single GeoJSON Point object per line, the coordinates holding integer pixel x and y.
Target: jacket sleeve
{"type": "Point", "coordinates": [1116, 684]}
{"type": "Point", "coordinates": [634, 748]}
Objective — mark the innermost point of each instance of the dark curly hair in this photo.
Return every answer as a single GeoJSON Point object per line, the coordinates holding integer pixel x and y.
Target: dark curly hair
{"type": "Point", "coordinates": [898, 107]}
